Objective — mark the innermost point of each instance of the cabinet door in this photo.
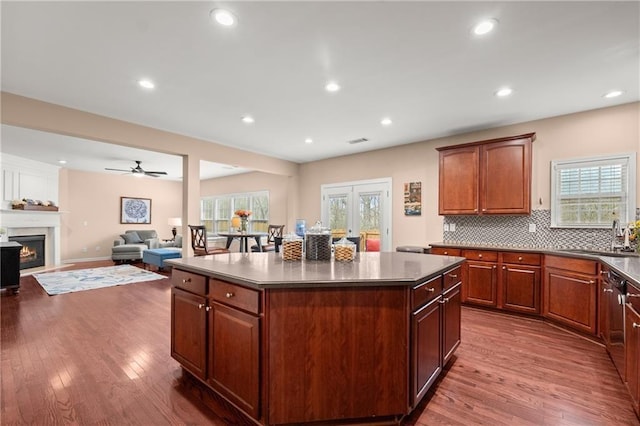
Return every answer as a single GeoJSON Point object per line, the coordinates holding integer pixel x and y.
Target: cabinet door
{"type": "Point", "coordinates": [426, 350]}
{"type": "Point", "coordinates": [570, 298]}
{"type": "Point", "coordinates": [521, 288]}
{"type": "Point", "coordinates": [632, 356]}
{"type": "Point", "coordinates": [479, 285]}
{"type": "Point", "coordinates": [459, 177]}
{"type": "Point", "coordinates": [506, 177]}
{"type": "Point", "coordinates": [604, 303]}
{"type": "Point", "coordinates": [234, 345]}
{"type": "Point", "coordinates": [188, 331]}
{"type": "Point", "coordinates": [451, 322]}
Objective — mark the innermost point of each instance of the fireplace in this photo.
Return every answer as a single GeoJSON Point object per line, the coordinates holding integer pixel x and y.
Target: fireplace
{"type": "Point", "coordinates": [32, 253]}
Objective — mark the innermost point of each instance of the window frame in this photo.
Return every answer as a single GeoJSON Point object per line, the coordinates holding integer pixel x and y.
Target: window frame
{"type": "Point", "coordinates": [628, 159]}
{"type": "Point", "coordinates": [231, 198]}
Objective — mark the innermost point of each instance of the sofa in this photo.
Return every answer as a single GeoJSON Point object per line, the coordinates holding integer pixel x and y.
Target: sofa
{"type": "Point", "coordinates": [133, 243]}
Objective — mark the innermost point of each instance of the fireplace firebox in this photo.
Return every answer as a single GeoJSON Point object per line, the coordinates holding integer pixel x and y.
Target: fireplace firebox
{"type": "Point", "coordinates": [32, 252]}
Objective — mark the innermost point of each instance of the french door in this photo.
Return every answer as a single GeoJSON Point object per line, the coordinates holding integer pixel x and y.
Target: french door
{"type": "Point", "coordinates": [360, 208]}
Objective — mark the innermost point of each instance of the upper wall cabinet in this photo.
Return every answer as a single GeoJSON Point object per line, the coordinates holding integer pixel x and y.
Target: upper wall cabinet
{"type": "Point", "coordinates": [486, 177]}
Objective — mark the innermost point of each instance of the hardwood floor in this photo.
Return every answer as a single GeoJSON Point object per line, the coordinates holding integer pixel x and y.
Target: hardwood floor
{"type": "Point", "coordinates": [102, 357]}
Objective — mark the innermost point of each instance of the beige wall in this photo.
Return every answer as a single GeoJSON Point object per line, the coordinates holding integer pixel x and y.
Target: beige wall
{"type": "Point", "coordinates": [91, 210]}
{"type": "Point", "coordinates": [592, 133]}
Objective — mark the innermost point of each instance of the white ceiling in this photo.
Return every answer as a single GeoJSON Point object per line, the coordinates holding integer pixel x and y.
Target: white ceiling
{"type": "Point", "coordinates": [415, 62]}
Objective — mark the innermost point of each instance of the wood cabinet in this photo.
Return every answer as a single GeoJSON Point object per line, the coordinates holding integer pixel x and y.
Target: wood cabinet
{"type": "Point", "coordinates": [570, 291]}
{"type": "Point", "coordinates": [451, 310]}
{"type": "Point", "coordinates": [481, 277]}
{"type": "Point", "coordinates": [188, 331]}
{"type": "Point", "coordinates": [215, 335]}
{"type": "Point", "coordinates": [632, 346]}
{"type": "Point", "coordinates": [427, 350]}
{"type": "Point", "coordinates": [519, 282]}
{"type": "Point", "coordinates": [486, 177]}
{"type": "Point", "coordinates": [446, 251]}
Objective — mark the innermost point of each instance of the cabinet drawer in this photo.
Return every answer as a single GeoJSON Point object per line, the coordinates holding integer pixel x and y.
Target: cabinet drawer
{"type": "Point", "coordinates": [483, 255]}
{"type": "Point", "coordinates": [445, 251]}
{"type": "Point", "coordinates": [235, 295]}
{"type": "Point", "coordinates": [424, 292]}
{"type": "Point", "coordinates": [189, 281]}
{"type": "Point", "coordinates": [452, 277]}
{"type": "Point", "coordinates": [584, 266]}
{"type": "Point", "coordinates": [521, 258]}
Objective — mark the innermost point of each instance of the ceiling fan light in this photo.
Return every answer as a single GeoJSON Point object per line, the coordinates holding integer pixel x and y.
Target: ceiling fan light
{"type": "Point", "coordinates": [223, 17]}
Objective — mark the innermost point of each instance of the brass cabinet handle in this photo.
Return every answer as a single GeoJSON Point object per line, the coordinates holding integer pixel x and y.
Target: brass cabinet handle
{"type": "Point", "coordinates": [430, 289]}
{"type": "Point", "coordinates": [635, 325]}
{"type": "Point", "coordinates": [633, 295]}
{"type": "Point", "coordinates": [607, 290]}
{"type": "Point", "coordinates": [480, 255]}
{"type": "Point", "coordinates": [504, 267]}
{"type": "Point", "coordinates": [453, 275]}
{"type": "Point", "coordinates": [200, 305]}
{"type": "Point", "coordinates": [519, 257]}
{"type": "Point", "coordinates": [186, 280]}
{"type": "Point", "coordinates": [229, 295]}
{"type": "Point", "coordinates": [494, 266]}
{"type": "Point", "coordinates": [446, 252]}
{"type": "Point", "coordinates": [444, 300]}
{"type": "Point", "coordinates": [484, 210]}
{"type": "Point", "coordinates": [208, 308]}
{"type": "Point", "coordinates": [592, 282]}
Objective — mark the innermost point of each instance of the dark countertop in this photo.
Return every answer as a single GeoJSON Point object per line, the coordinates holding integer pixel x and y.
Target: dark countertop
{"type": "Point", "coordinates": [268, 270]}
{"type": "Point", "coordinates": [627, 264]}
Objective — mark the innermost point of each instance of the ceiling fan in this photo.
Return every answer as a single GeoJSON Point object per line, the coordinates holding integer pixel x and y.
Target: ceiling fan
{"type": "Point", "coordinates": [138, 170]}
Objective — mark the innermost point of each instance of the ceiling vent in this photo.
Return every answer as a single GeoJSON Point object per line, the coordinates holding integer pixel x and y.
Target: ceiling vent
{"type": "Point", "coordinates": [355, 141]}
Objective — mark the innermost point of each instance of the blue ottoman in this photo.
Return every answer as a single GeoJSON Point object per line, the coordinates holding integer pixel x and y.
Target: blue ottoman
{"type": "Point", "coordinates": [158, 256]}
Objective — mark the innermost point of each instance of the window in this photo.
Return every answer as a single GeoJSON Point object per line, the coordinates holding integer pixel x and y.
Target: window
{"type": "Point", "coordinates": [592, 192]}
{"type": "Point", "coordinates": [216, 212]}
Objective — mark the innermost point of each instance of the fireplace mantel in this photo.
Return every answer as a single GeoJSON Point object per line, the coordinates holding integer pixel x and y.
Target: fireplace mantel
{"type": "Point", "coordinates": [27, 222]}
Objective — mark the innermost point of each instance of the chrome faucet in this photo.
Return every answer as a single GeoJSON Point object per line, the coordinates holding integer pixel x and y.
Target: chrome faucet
{"type": "Point", "coordinates": [616, 233]}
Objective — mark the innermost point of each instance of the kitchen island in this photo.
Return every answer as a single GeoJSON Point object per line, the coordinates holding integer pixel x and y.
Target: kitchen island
{"type": "Point", "coordinates": [312, 341]}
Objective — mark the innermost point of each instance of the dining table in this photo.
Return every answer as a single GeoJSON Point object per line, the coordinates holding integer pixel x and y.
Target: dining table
{"type": "Point", "coordinates": [244, 239]}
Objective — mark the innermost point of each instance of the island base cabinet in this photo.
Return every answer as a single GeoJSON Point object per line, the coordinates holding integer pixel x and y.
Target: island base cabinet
{"type": "Point", "coordinates": [234, 360]}
{"type": "Point", "coordinates": [426, 349]}
{"type": "Point", "coordinates": [632, 356]}
{"type": "Point", "coordinates": [188, 331]}
{"type": "Point", "coordinates": [337, 354]}
{"type": "Point", "coordinates": [451, 311]}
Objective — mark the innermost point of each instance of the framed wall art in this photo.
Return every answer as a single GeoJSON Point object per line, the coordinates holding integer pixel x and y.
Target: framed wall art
{"type": "Point", "coordinates": [413, 199]}
{"type": "Point", "coordinates": [135, 210]}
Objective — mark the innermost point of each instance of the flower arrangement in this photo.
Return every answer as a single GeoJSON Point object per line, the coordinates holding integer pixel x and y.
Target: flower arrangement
{"type": "Point", "coordinates": [29, 204]}
{"type": "Point", "coordinates": [243, 213]}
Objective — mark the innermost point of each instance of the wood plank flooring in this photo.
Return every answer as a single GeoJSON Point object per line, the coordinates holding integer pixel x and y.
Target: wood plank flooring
{"type": "Point", "coordinates": [102, 357]}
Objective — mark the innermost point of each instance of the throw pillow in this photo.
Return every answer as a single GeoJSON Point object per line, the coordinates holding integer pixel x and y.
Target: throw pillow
{"type": "Point", "coordinates": [131, 237]}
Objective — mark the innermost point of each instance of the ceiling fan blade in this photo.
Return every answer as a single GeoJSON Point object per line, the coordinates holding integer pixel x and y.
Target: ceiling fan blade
{"type": "Point", "coordinates": [151, 174]}
{"type": "Point", "coordinates": [156, 173]}
{"type": "Point", "coordinates": [117, 170]}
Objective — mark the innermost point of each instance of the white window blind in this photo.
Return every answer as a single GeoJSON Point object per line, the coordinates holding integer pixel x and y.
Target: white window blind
{"type": "Point", "coordinates": [591, 193]}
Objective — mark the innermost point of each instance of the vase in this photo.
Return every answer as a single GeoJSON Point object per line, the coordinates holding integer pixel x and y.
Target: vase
{"type": "Point", "coordinates": [243, 224]}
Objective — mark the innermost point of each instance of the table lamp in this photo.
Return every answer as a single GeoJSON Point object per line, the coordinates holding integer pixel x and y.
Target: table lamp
{"type": "Point", "coordinates": [174, 222]}
{"type": "Point", "coordinates": [235, 222]}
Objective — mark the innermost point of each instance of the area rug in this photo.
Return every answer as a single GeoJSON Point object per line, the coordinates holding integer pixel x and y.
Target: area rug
{"type": "Point", "coordinates": [89, 279]}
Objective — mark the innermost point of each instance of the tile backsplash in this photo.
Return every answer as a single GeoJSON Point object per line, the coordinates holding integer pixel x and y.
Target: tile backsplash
{"type": "Point", "coordinates": [513, 231]}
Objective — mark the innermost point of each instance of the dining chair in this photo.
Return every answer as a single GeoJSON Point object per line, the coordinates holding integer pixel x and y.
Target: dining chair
{"type": "Point", "coordinates": [199, 242]}
{"type": "Point", "coordinates": [273, 231]}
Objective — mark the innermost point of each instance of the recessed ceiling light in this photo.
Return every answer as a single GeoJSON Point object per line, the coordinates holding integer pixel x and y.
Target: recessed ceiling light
{"type": "Point", "coordinates": [223, 17]}
{"type": "Point", "coordinates": [248, 119]}
{"type": "Point", "coordinates": [62, 161]}
{"type": "Point", "coordinates": [485, 26]}
{"type": "Point", "coordinates": [332, 86]}
{"type": "Point", "coordinates": [505, 91]}
{"type": "Point", "coordinates": [147, 84]}
{"type": "Point", "coordinates": [386, 121]}
{"type": "Point", "coordinates": [308, 140]}
{"type": "Point", "coordinates": [613, 94]}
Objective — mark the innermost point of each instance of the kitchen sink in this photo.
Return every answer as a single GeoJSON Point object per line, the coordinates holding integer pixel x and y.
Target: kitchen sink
{"type": "Point", "coordinates": [601, 252]}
